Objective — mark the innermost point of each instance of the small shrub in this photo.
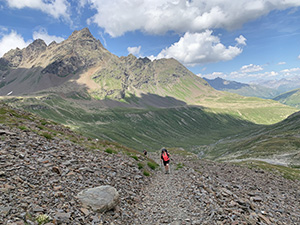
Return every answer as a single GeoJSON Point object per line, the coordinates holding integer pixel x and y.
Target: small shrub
{"type": "Point", "coordinates": [47, 135]}
{"type": "Point", "coordinates": [42, 219]}
{"type": "Point", "coordinates": [146, 173]}
{"type": "Point", "coordinates": [108, 150]}
{"type": "Point", "coordinates": [135, 157]}
{"type": "Point", "coordinates": [140, 165]}
{"type": "Point", "coordinates": [152, 165]}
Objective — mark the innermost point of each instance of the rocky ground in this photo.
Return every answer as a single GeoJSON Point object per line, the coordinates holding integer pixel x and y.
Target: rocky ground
{"type": "Point", "coordinates": [203, 192]}
{"type": "Point", "coordinates": [42, 176]}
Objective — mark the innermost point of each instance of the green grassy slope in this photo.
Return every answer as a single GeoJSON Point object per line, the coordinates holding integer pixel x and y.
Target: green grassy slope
{"type": "Point", "coordinates": [254, 91]}
{"type": "Point", "coordinates": [277, 144]}
{"type": "Point", "coordinates": [138, 128]}
{"type": "Point", "coordinates": [21, 120]}
{"type": "Point", "coordinates": [256, 110]}
{"type": "Point", "coordinates": [185, 126]}
{"type": "Point", "coordinates": [291, 98]}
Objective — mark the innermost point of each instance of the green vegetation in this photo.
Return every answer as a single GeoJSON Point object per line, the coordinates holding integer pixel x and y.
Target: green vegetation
{"type": "Point", "coordinates": [291, 98]}
{"type": "Point", "coordinates": [135, 157]}
{"type": "Point", "coordinates": [179, 166]}
{"type": "Point", "coordinates": [146, 173]}
{"type": "Point", "coordinates": [110, 151]}
{"type": "Point", "coordinates": [140, 165]}
{"type": "Point", "coordinates": [47, 135]}
{"type": "Point", "coordinates": [278, 143]}
{"type": "Point", "coordinates": [152, 165]}
{"type": "Point", "coordinates": [42, 219]}
{"type": "Point", "coordinates": [189, 127]}
{"type": "Point", "coordinates": [23, 128]}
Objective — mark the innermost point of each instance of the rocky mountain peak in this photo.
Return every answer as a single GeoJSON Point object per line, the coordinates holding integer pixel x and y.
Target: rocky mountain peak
{"type": "Point", "coordinates": [35, 48]}
{"type": "Point", "coordinates": [81, 34]}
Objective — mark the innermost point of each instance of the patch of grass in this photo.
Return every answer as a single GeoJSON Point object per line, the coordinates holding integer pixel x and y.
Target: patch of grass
{"type": "Point", "coordinates": [110, 151]}
{"type": "Point", "coordinates": [44, 122]}
{"type": "Point", "coordinates": [295, 166]}
{"type": "Point", "coordinates": [179, 166]}
{"type": "Point", "coordinates": [41, 127]}
{"type": "Point", "coordinates": [146, 173]}
{"type": "Point", "coordinates": [47, 135]}
{"type": "Point", "coordinates": [140, 165]}
{"type": "Point", "coordinates": [152, 165]}
{"type": "Point", "coordinates": [23, 128]}
{"type": "Point", "coordinates": [135, 157]}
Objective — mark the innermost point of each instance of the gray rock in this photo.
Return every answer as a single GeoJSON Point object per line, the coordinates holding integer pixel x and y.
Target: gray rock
{"type": "Point", "coordinates": [4, 210]}
{"type": "Point", "coordinates": [100, 199]}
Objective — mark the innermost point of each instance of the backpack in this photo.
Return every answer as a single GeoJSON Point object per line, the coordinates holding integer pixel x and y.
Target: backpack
{"type": "Point", "coordinates": [165, 156]}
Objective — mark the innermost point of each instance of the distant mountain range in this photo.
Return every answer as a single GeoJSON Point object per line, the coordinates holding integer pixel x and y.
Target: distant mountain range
{"type": "Point", "coordinates": [251, 90]}
{"type": "Point", "coordinates": [282, 85]}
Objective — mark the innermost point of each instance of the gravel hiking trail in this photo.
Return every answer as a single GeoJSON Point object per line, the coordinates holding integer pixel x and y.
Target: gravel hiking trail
{"type": "Point", "coordinates": [168, 200]}
{"type": "Point", "coordinates": [204, 192]}
{"type": "Point", "coordinates": [165, 202]}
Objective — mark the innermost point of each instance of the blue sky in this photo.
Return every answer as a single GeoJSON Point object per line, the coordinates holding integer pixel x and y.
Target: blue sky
{"type": "Point", "coordinates": [237, 40]}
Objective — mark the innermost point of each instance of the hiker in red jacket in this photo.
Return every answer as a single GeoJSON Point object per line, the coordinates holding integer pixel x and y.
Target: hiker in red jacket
{"type": "Point", "coordinates": [165, 157]}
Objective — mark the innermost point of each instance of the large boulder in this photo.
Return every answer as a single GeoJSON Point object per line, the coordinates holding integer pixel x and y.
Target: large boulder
{"type": "Point", "coordinates": [100, 199]}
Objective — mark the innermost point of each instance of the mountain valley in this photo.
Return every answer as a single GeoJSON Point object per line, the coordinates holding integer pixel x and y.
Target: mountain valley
{"type": "Point", "coordinates": [133, 101]}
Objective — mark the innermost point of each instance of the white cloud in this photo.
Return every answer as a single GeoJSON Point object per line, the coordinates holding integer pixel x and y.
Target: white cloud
{"type": "Point", "coordinates": [43, 34]}
{"type": "Point", "coordinates": [298, 56]}
{"type": "Point", "coordinates": [12, 41]}
{"type": "Point", "coordinates": [134, 50]}
{"type": "Point", "coordinates": [251, 68]}
{"type": "Point", "coordinates": [159, 16]}
{"type": "Point", "coordinates": [246, 76]}
{"type": "Point", "coordinates": [291, 72]}
{"type": "Point", "coordinates": [213, 75]}
{"type": "Point", "coordinates": [199, 48]}
{"type": "Point", "coordinates": [281, 63]}
{"type": "Point", "coordinates": [241, 40]}
{"type": "Point", "coordinates": [55, 8]}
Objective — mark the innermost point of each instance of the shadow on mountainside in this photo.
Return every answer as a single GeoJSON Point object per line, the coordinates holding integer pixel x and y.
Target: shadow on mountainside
{"type": "Point", "coordinates": [22, 82]}
{"type": "Point", "coordinates": [136, 126]}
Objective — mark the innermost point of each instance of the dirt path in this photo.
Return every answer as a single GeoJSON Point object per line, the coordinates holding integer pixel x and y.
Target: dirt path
{"type": "Point", "coordinates": [167, 201]}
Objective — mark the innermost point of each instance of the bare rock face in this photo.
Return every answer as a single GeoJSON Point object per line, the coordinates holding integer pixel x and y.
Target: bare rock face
{"type": "Point", "coordinates": [13, 58]}
{"type": "Point", "coordinates": [64, 67]}
{"type": "Point", "coordinates": [34, 49]}
{"type": "Point", "coordinates": [101, 198]}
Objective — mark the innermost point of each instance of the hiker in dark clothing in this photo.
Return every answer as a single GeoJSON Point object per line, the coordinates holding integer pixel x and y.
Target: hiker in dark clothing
{"type": "Point", "coordinates": [165, 157]}
{"type": "Point", "coordinates": [145, 152]}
